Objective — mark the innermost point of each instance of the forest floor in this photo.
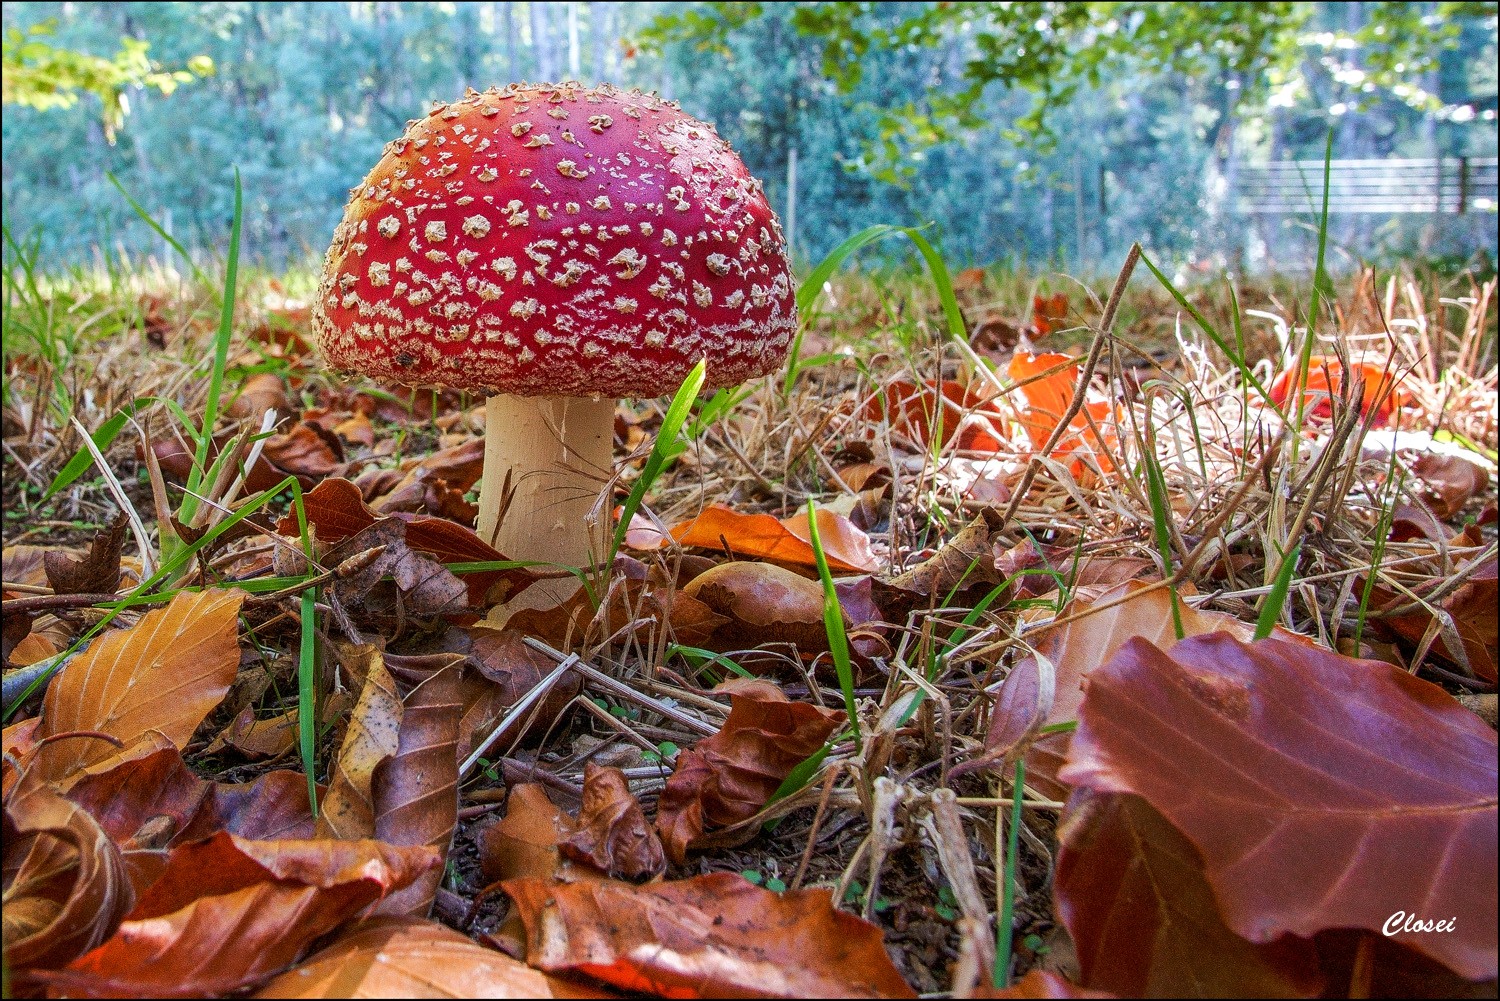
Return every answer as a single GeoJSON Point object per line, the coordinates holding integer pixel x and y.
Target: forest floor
{"type": "Point", "coordinates": [1280, 604]}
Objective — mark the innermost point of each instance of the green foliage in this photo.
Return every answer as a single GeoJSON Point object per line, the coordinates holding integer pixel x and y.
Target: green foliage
{"type": "Point", "coordinates": [40, 75]}
{"type": "Point", "coordinates": [1052, 49]}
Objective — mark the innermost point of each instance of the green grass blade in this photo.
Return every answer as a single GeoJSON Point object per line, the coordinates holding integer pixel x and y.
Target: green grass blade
{"type": "Point", "coordinates": [1212, 334]}
{"type": "Point", "coordinates": [307, 714]}
{"type": "Point", "coordinates": [833, 622]}
{"type": "Point", "coordinates": [943, 282]}
{"type": "Point", "coordinates": [808, 291]}
{"type": "Point", "coordinates": [664, 449]}
{"type": "Point", "coordinates": [1156, 493]}
{"type": "Point", "coordinates": [221, 357]}
{"type": "Point", "coordinates": [1270, 612]}
{"type": "Point", "coordinates": [149, 220]}
{"type": "Point", "coordinates": [1004, 931]}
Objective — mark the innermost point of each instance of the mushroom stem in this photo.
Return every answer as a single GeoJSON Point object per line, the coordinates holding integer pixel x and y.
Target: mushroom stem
{"type": "Point", "coordinates": [556, 452]}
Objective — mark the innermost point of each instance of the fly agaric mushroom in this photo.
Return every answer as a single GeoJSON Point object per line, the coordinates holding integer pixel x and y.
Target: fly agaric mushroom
{"type": "Point", "coordinates": [556, 248]}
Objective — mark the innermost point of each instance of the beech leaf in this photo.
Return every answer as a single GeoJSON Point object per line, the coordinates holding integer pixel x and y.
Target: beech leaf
{"type": "Point", "coordinates": [709, 936]}
{"type": "Point", "coordinates": [1305, 779]}
{"type": "Point", "coordinates": [165, 673]}
{"type": "Point", "coordinates": [390, 957]}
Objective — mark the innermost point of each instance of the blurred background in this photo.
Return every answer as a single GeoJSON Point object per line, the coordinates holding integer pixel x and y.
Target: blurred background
{"type": "Point", "coordinates": [1033, 135]}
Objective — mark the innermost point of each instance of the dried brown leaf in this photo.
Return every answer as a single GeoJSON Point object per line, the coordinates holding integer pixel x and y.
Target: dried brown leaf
{"type": "Point", "coordinates": [97, 571]}
{"type": "Point", "coordinates": [709, 936]}
{"type": "Point", "coordinates": [729, 776]}
{"type": "Point", "coordinates": [759, 603]}
{"type": "Point", "coordinates": [65, 882]}
{"type": "Point", "coordinates": [1131, 891]}
{"type": "Point", "coordinates": [1305, 779]}
{"type": "Point", "coordinates": [166, 673]}
{"type": "Point", "coordinates": [761, 536]}
{"type": "Point", "coordinates": [415, 791]}
{"type": "Point", "coordinates": [374, 734]}
{"type": "Point", "coordinates": [227, 913]}
{"type": "Point", "coordinates": [393, 957]}
{"type": "Point", "coordinates": [613, 834]}
{"type": "Point", "coordinates": [157, 796]}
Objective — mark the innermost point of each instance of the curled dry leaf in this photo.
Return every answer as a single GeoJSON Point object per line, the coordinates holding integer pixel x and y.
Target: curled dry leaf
{"type": "Point", "coordinates": [709, 936]}
{"type": "Point", "coordinates": [1130, 890]}
{"type": "Point", "coordinates": [728, 777]}
{"type": "Point", "coordinates": [613, 834]}
{"type": "Point", "coordinates": [1304, 778]}
{"type": "Point", "coordinates": [1451, 481]}
{"type": "Point", "coordinates": [426, 588]}
{"type": "Point", "coordinates": [760, 536]}
{"type": "Point", "coordinates": [65, 882]}
{"type": "Point", "coordinates": [158, 796]}
{"type": "Point", "coordinates": [415, 791]}
{"type": "Point", "coordinates": [505, 669]}
{"type": "Point", "coordinates": [97, 571]}
{"type": "Point", "coordinates": [258, 739]}
{"type": "Point", "coordinates": [166, 673]}
{"type": "Point", "coordinates": [227, 913]}
{"type": "Point", "coordinates": [336, 510]}
{"type": "Point", "coordinates": [967, 413]}
{"type": "Point", "coordinates": [761, 603]}
{"type": "Point", "coordinates": [409, 958]}
{"type": "Point", "coordinates": [374, 734]}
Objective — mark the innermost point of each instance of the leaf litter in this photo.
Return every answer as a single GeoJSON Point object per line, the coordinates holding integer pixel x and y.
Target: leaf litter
{"type": "Point", "coordinates": [602, 796]}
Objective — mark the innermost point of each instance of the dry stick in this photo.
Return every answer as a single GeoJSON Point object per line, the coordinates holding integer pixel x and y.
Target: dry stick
{"type": "Point", "coordinates": [623, 690]}
{"type": "Point", "coordinates": [817, 823]}
{"type": "Point", "coordinates": [1116, 294]}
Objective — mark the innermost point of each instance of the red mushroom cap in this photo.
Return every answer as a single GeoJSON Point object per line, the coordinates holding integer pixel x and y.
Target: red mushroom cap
{"type": "Point", "coordinates": [557, 240]}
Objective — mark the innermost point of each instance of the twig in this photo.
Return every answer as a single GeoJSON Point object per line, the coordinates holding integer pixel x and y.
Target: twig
{"type": "Point", "coordinates": [1101, 336]}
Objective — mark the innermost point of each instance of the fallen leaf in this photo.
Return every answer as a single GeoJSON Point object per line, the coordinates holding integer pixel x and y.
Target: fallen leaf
{"type": "Point", "coordinates": [1041, 404]}
{"type": "Point", "coordinates": [613, 834]}
{"type": "Point", "coordinates": [415, 791]}
{"type": "Point", "coordinates": [374, 734]}
{"type": "Point", "coordinates": [967, 413]}
{"type": "Point", "coordinates": [138, 795]}
{"type": "Point", "coordinates": [505, 670]}
{"type": "Point", "coordinates": [391, 957]}
{"type": "Point", "coordinates": [1471, 606]}
{"type": "Point", "coordinates": [1131, 891]}
{"type": "Point", "coordinates": [1450, 481]}
{"type": "Point", "coordinates": [423, 586]}
{"type": "Point", "coordinates": [760, 536]}
{"type": "Point", "coordinates": [1048, 314]}
{"type": "Point", "coordinates": [728, 777]}
{"type": "Point", "coordinates": [65, 882]}
{"type": "Point", "coordinates": [227, 913]}
{"type": "Point", "coordinates": [1304, 778]}
{"type": "Point", "coordinates": [761, 603]}
{"type": "Point", "coordinates": [709, 936]}
{"type": "Point", "coordinates": [97, 572]}
{"type": "Point", "coordinates": [260, 393]}
{"type": "Point", "coordinates": [165, 673]}
{"type": "Point", "coordinates": [258, 739]}
{"type": "Point", "coordinates": [336, 511]}
{"type": "Point", "coordinates": [1379, 399]}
